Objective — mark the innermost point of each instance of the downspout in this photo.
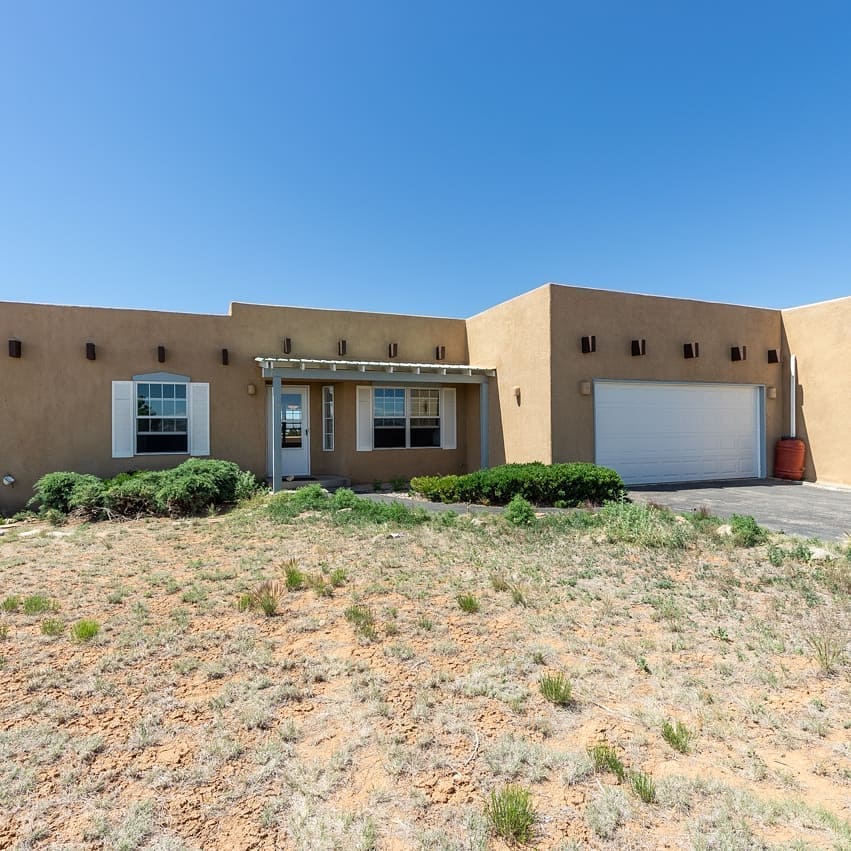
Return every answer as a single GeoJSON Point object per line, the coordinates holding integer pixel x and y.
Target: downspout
{"type": "Point", "coordinates": [793, 391]}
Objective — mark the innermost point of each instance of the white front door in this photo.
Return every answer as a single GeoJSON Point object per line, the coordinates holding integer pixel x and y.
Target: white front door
{"type": "Point", "coordinates": [295, 431]}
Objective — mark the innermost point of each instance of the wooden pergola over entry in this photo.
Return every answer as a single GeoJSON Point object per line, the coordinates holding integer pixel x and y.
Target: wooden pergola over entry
{"type": "Point", "coordinates": [376, 372]}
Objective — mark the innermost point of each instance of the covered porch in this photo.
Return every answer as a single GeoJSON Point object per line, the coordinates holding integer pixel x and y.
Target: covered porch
{"type": "Point", "coordinates": [376, 418]}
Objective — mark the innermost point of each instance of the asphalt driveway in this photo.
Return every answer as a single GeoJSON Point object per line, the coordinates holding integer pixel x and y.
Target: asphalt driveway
{"type": "Point", "coordinates": [797, 508]}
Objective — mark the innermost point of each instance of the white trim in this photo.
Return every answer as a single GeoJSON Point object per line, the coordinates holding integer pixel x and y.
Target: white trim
{"type": "Point", "coordinates": [198, 409]}
{"type": "Point", "coordinates": [363, 418]}
{"type": "Point", "coordinates": [448, 420]}
{"type": "Point", "coordinates": [123, 419]}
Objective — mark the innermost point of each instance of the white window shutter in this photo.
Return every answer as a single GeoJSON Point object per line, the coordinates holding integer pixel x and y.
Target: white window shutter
{"type": "Point", "coordinates": [123, 419]}
{"type": "Point", "coordinates": [448, 427]}
{"type": "Point", "coordinates": [199, 418]}
{"type": "Point", "coordinates": [364, 419]}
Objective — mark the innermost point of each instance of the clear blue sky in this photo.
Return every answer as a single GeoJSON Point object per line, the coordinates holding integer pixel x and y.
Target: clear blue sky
{"type": "Point", "coordinates": [433, 157]}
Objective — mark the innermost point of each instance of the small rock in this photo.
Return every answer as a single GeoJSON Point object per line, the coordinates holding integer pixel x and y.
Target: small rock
{"type": "Point", "coordinates": [678, 518]}
{"type": "Point", "coordinates": [724, 531]}
{"type": "Point", "coordinates": [820, 554]}
{"type": "Point", "coordinates": [2, 532]}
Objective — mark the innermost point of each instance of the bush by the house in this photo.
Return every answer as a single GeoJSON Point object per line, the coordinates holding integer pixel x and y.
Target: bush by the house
{"type": "Point", "coordinates": [563, 485]}
{"type": "Point", "coordinates": [343, 507]}
{"type": "Point", "coordinates": [191, 488]}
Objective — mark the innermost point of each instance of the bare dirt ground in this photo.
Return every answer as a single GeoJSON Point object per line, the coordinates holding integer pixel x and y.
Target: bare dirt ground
{"type": "Point", "coordinates": [187, 723]}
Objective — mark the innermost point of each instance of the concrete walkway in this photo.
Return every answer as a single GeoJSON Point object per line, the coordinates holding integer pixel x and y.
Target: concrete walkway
{"type": "Point", "coordinates": [797, 508]}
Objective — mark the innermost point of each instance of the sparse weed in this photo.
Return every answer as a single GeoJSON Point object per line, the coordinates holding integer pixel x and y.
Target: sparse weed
{"type": "Point", "coordinates": [338, 577]}
{"type": "Point", "coordinates": [363, 621]}
{"type": "Point", "coordinates": [677, 735]}
{"type": "Point", "coordinates": [425, 623]}
{"type": "Point", "coordinates": [52, 626]}
{"type": "Point", "coordinates": [605, 758]}
{"type": "Point", "coordinates": [556, 688]}
{"type": "Point", "coordinates": [4, 631]}
{"type": "Point", "coordinates": [468, 603]}
{"type": "Point", "coordinates": [827, 640]}
{"type": "Point", "coordinates": [511, 814]}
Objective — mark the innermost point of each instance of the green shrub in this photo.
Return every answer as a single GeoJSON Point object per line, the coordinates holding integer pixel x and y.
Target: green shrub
{"type": "Point", "coordinates": [247, 486]}
{"type": "Point", "coordinates": [746, 531]}
{"type": "Point", "coordinates": [196, 484]}
{"type": "Point", "coordinates": [52, 626]}
{"type": "Point", "coordinates": [363, 621]}
{"type": "Point", "coordinates": [135, 495]}
{"type": "Point", "coordinates": [519, 511]}
{"type": "Point", "coordinates": [88, 497]}
{"type": "Point", "coordinates": [344, 498]}
{"type": "Point", "coordinates": [54, 490]}
{"type": "Point", "coordinates": [11, 603]}
{"type": "Point", "coordinates": [565, 485]}
{"type": "Point", "coordinates": [511, 814]}
{"type": "Point", "coordinates": [293, 576]}
{"type": "Point", "coordinates": [85, 629]}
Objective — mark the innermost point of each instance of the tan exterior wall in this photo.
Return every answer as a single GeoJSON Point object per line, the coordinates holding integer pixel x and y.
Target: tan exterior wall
{"type": "Point", "coordinates": [820, 336]}
{"type": "Point", "coordinates": [55, 406]}
{"type": "Point", "coordinates": [665, 323]}
{"type": "Point", "coordinates": [514, 337]}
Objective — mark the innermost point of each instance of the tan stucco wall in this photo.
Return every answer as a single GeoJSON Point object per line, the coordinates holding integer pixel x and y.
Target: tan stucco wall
{"type": "Point", "coordinates": [820, 336]}
{"type": "Point", "coordinates": [55, 406]}
{"type": "Point", "coordinates": [514, 337]}
{"type": "Point", "coordinates": [665, 323]}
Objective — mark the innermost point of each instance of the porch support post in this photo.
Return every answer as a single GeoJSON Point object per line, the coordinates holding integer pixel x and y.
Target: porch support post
{"type": "Point", "coordinates": [484, 427]}
{"type": "Point", "coordinates": [275, 434]}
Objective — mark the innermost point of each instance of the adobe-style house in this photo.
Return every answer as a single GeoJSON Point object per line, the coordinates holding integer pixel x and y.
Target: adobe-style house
{"type": "Point", "coordinates": [661, 389]}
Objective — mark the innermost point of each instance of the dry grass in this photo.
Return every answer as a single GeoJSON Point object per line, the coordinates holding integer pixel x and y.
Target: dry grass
{"type": "Point", "coordinates": [187, 723]}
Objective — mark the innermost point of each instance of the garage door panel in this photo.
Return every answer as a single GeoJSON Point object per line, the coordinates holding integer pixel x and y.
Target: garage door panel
{"type": "Point", "coordinates": [661, 431]}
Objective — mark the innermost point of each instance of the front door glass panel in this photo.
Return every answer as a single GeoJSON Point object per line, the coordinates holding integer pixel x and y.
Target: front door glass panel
{"type": "Point", "coordinates": [292, 423]}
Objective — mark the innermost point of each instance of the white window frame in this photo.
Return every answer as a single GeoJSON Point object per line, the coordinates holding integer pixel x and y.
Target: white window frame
{"type": "Point", "coordinates": [328, 418]}
{"type": "Point", "coordinates": [185, 416]}
{"type": "Point", "coordinates": [408, 416]}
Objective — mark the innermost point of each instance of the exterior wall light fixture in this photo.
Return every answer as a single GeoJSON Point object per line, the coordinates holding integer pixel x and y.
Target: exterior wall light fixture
{"type": "Point", "coordinates": [225, 357]}
{"type": "Point", "coordinates": [287, 345]}
{"type": "Point", "coordinates": [771, 392]}
{"type": "Point", "coordinates": [584, 388]}
{"type": "Point", "coordinates": [161, 354]}
{"type": "Point", "coordinates": [8, 480]}
{"type": "Point", "coordinates": [14, 348]}
{"type": "Point", "coordinates": [773, 356]}
{"type": "Point", "coordinates": [252, 390]}
{"type": "Point", "coordinates": [738, 353]}
{"type": "Point", "coordinates": [639, 348]}
{"type": "Point", "coordinates": [589, 344]}
{"type": "Point", "coordinates": [440, 353]}
{"type": "Point", "coordinates": [691, 350]}
{"type": "Point", "coordinates": [341, 347]}
{"type": "Point", "coordinates": [393, 350]}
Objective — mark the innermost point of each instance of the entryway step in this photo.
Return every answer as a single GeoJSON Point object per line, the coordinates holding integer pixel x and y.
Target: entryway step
{"type": "Point", "coordinates": [330, 483]}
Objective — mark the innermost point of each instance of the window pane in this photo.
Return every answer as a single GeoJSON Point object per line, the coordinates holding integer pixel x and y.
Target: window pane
{"type": "Point", "coordinates": [425, 436]}
{"type": "Point", "coordinates": [179, 391]}
{"type": "Point", "coordinates": [155, 407]}
{"type": "Point", "coordinates": [387, 438]}
{"type": "Point", "coordinates": [168, 391]}
{"type": "Point", "coordinates": [180, 409]}
{"type": "Point", "coordinates": [180, 425]}
{"type": "Point", "coordinates": [425, 403]}
{"type": "Point", "coordinates": [142, 390]}
{"type": "Point", "coordinates": [153, 443]}
{"type": "Point", "coordinates": [156, 391]}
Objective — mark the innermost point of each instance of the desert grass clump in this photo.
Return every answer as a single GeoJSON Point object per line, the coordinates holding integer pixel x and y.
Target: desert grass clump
{"type": "Point", "coordinates": [606, 811]}
{"type": "Point", "coordinates": [363, 621]}
{"type": "Point", "coordinates": [37, 604]}
{"type": "Point", "coordinates": [557, 689]}
{"type": "Point", "coordinates": [468, 603]}
{"type": "Point", "coordinates": [85, 630]}
{"type": "Point", "coordinates": [267, 603]}
{"type": "Point", "coordinates": [338, 577]}
{"type": "Point", "coordinates": [11, 604]}
{"type": "Point", "coordinates": [510, 813]}
{"type": "Point", "coordinates": [294, 579]}
{"type": "Point", "coordinates": [4, 631]}
{"type": "Point", "coordinates": [643, 786]}
{"type": "Point", "coordinates": [52, 626]}
{"type": "Point", "coordinates": [605, 758]}
{"type": "Point", "coordinates": [677, 735]}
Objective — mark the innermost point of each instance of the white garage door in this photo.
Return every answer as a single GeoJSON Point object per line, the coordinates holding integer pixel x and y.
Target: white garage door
{"type": "Point", "coordinates": [677, 432]}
